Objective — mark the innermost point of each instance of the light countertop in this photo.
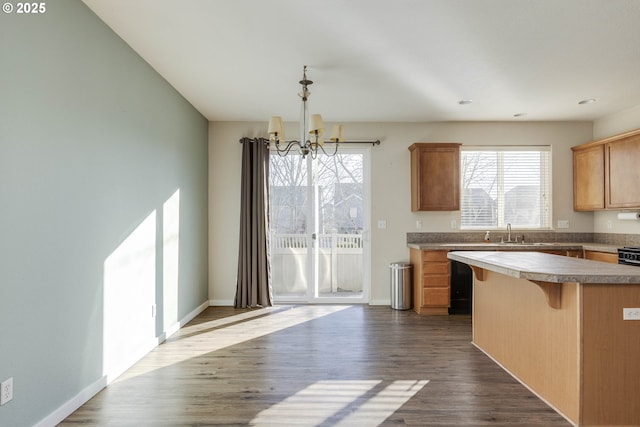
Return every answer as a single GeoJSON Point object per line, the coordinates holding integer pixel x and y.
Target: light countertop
{"type": "Point", "coordinates": [480, 246]}
{"type": "Point", "coordinates": [544, 267]}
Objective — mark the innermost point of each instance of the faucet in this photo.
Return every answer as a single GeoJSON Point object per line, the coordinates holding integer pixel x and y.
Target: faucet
{"type": "Point", "coordinates": [509, 232]}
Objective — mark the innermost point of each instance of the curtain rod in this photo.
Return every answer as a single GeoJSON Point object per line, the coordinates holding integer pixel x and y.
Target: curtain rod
{"type": "Point", "coordinates": [376, 142]}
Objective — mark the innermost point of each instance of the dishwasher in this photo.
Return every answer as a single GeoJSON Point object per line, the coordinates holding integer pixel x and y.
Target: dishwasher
{"type": "Point", "coordinates": [461, 288]}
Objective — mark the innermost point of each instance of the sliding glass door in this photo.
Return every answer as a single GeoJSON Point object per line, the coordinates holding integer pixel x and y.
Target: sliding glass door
{"type": "Point", "coordinates": [319, 227]}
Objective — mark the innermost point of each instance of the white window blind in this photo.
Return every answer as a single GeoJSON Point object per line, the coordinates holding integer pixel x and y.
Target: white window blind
{"type": "Point", "coordinates": [506, 185]}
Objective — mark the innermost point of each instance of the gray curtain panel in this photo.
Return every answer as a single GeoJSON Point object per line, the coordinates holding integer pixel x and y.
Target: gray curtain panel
{"type": "Point", "coordinates": [254, 271]}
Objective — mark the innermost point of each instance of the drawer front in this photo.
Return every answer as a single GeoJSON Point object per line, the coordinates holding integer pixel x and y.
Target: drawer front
{"type": "Point", "coordinates": [435, 268]}
{"type": "Point", "coordinates": [601, 256]}
{"type": "Point", "coordinates": [434, 256]}
{"type": "Point", "coordinates": [435, 297]}
{"type": "Point", "coordinates": [435, 281]}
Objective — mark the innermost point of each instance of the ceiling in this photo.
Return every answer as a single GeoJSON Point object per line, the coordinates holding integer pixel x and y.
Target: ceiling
{"type": "Point", "coordinates": [390, 61]}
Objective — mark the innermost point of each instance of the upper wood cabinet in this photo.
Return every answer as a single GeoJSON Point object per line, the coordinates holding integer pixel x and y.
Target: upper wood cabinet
{"type": "Point", "coordinates": [588, 178]}
{"type": "Point", "coordinates": [435, 176]}
{"type": "Point", "coordinates": [622, 173]}
{"type": "Point", "coordinates": [606, 173]}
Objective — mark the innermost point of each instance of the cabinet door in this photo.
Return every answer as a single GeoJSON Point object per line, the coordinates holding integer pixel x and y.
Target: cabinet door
{"type": "Point", "coordinates": [435, 177]}
{"type": "Point", "coordinates": [436, 297]}
{"type": "Point", "coordinates": [588, 178]}
{"type": "Point", "coordinates": [435, 282]}
{"type": "Point", "coordinates": [601, 256]}
{"type": "Point", "coordinates": [623, 173]}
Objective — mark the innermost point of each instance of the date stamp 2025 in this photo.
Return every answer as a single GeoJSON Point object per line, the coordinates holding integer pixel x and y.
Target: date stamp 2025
{"type": "Point", "coordinates": [25, 8]}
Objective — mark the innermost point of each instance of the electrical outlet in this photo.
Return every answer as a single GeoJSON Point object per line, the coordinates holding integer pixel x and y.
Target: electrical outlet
{"type": "Point", "coordinates": [419, 224]}
{"type": "Point", "coordinates": [563, 223]}
{"type": "Point", "coordinates": [454, 223]}
{"type": "Point", "coordinates": [6, 391]}
{"type": "Point", "coordinates": [382, 224]}
{"type": "Point", "coordinates": [631, 314]}
{"type": "Point", "coordinates": [609, 224]}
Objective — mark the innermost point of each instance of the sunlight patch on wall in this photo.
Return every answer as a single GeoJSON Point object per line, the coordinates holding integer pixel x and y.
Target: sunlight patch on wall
{"type": "Point", "coordinates": [170, 259]}
{"type": "Point", "coordinates": [129, 295]}
{"type": "Point", "coordinates": [341, 403]}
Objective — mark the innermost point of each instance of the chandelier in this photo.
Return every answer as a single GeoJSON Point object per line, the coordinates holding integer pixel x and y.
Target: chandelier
{"type": "Point", "coordinates": [311, 129]}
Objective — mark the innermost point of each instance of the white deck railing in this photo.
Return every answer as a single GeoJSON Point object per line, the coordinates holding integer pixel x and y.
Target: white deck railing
{"type": "Point", "coordinates": [340, 258]}
{"type": "Point", "coordinates": [333, 240]}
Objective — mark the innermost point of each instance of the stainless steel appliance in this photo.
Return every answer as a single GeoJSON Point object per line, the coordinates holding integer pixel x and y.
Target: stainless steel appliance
{"type": "Point", "coordinates": [629, 255]}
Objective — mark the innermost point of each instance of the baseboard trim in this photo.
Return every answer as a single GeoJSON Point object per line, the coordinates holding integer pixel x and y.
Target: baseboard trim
{"type": "Point", "coordinates": [221, 303]}
{"type": "Point", "coordinates": [189, 317]}
{"type": "Point", "coordinates": [69, 407]}
{"type": "Point", "coordinates": [57, 416]}
{"type": "Point", "coordinates": [230, 303]}
{"type": "Point", "coordinates": [379, 302]}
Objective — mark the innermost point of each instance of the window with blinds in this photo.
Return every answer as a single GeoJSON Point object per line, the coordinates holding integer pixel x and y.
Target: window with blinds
{"type": "Point", "coordinates": [505, 185]}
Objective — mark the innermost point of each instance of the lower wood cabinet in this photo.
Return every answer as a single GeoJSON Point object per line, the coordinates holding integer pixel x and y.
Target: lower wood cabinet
{"type": "Point", "coordinates": [601, 256]}
{"type": "Point", "coordinates": [431, 276]}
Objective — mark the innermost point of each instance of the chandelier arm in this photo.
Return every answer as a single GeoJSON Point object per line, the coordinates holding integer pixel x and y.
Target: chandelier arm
{"type": "Point", "coordinates": [335, 151]}
{"type": "Point", "coordinates": [285, 151]}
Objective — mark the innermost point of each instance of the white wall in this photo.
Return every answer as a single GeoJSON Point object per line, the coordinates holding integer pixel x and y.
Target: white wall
{"type": "Point", "coordinates": [390, 175]}
{"type": "Point", "coordinates": [615, 124]}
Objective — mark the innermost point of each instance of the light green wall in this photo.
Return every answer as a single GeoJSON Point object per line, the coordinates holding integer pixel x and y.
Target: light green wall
{"type": "Point", "coordinates": [92, 142]}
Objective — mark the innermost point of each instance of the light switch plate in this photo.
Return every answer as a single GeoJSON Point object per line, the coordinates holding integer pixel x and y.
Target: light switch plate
{"type": "Point", "coordinates": [6, 391]}
{"type": "Point", "coordinates": [631, 314]}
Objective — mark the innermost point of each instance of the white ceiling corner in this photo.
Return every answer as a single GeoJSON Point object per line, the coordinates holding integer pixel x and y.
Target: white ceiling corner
{"type": "Point", "coordinates": [391, 61]}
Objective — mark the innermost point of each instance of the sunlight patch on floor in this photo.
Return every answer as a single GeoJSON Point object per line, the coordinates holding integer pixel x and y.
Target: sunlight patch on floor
{"type": "Point", "coordinates": [204, 341]}
{"type": "Point", "coordinates": [351, 402]}
{"type": "Point", "coordinates": [217, 323]}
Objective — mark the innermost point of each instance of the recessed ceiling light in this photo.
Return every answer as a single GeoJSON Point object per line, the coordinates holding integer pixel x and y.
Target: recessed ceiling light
{"type": "Point", "coordinates": [587, 101]}
{"type": "Point", "coordinates": [465, 101]}
{"type": "Point", "coordinates": [519, 114]}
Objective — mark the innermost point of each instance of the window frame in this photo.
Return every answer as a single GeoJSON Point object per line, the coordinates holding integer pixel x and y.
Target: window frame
{"type": "Point", "coordinates": [546, 196]}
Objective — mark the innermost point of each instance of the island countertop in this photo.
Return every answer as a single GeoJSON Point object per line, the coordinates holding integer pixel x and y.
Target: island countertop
{"type": "Point", "coordinates": [536, 266]}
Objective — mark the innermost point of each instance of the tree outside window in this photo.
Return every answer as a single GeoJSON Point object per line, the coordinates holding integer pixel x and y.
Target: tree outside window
{"type": "Point", "coordinates": [505, 185]}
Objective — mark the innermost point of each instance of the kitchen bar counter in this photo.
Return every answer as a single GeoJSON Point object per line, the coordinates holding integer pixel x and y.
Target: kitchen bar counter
{"type": "Point", "coordinates": [536, 266]}
{"type": "Point", "coordinates": [556, 324]}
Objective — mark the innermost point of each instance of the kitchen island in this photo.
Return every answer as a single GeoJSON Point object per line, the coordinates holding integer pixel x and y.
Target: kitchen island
{"type": "Point", "coordinates": [556, 324]}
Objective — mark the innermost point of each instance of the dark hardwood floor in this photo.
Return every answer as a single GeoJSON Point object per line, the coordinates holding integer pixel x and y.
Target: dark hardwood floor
{"type": "Point", "coordinates": [317, 366]}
